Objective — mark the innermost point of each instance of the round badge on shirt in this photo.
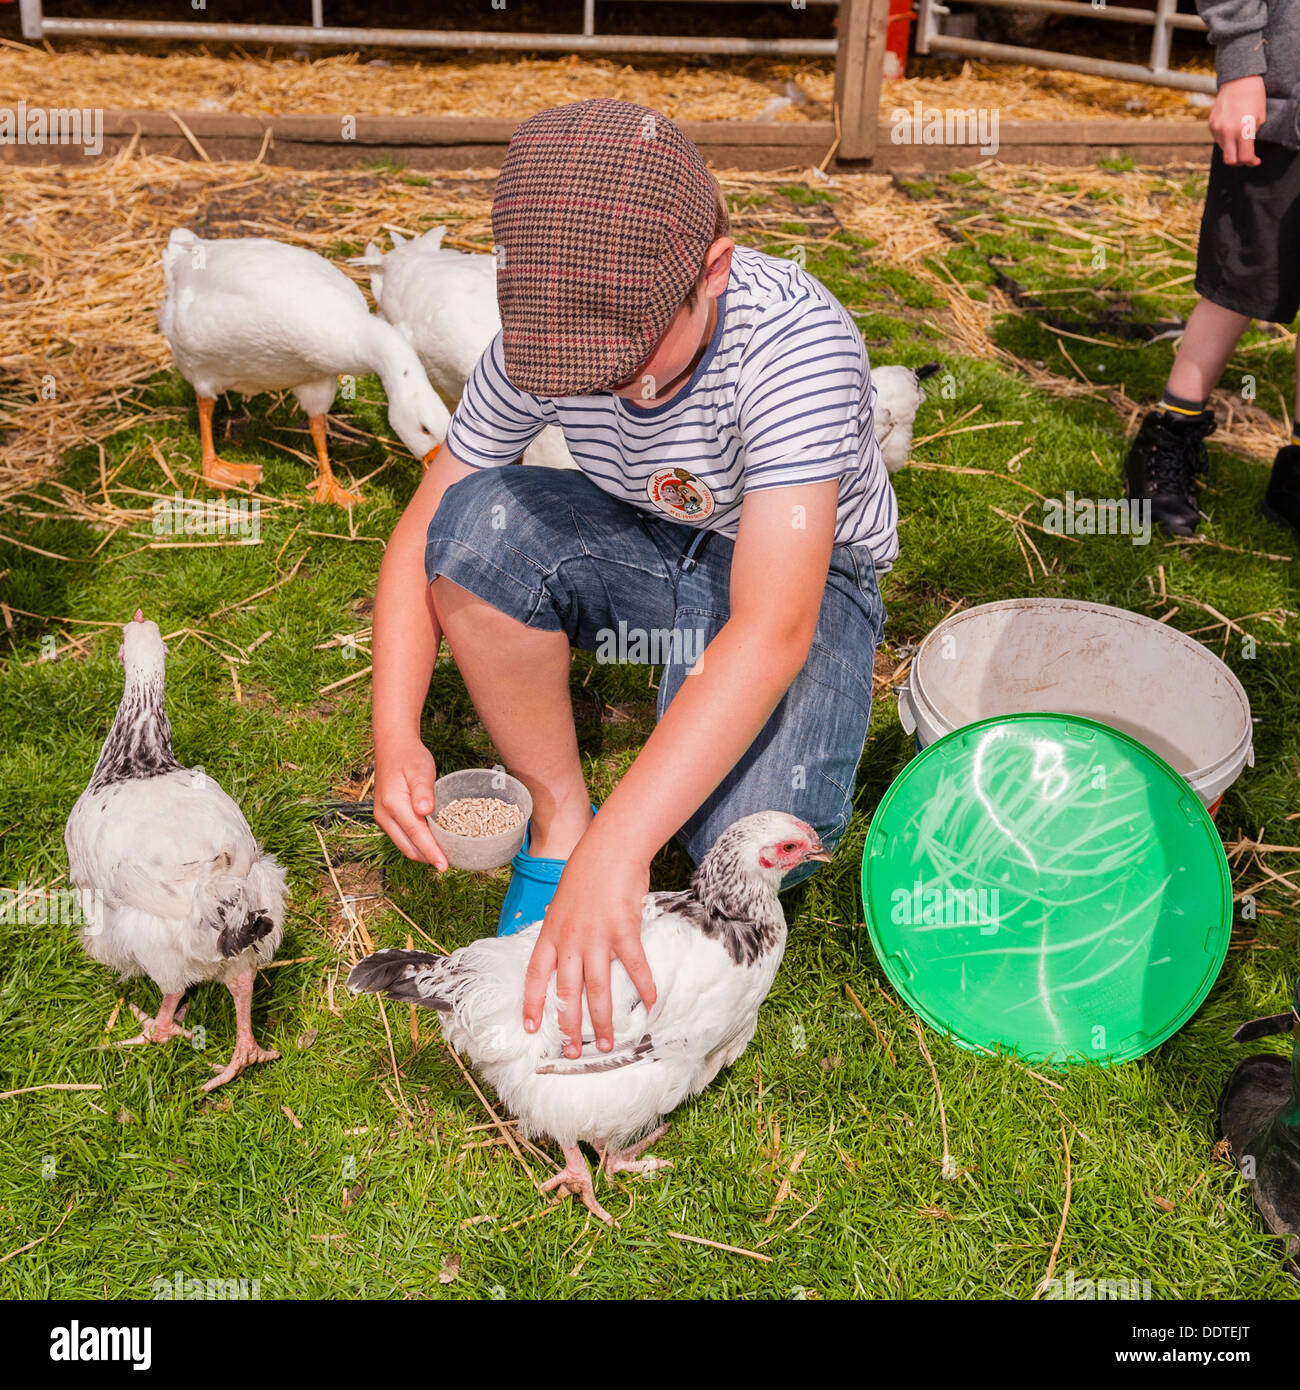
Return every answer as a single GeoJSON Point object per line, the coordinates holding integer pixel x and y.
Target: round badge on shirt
{"type": "Point", "coordinates": [679, 494]}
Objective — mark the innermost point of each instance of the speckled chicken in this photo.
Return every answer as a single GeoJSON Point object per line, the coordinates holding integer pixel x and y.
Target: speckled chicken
{"type": "Point", "coordinates": [171, 882]}
{"type": "Point", "coordinates": [713, 949]}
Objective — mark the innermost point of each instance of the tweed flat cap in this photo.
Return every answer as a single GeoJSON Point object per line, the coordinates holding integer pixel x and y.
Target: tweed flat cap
{"type": "Point", "coordinates": [602, 216]}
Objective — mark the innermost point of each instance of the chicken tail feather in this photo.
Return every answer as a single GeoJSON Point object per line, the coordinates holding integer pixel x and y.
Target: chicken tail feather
{"type": "Point", "coordinates": [410, 975]}
{"type": "Point", "coordinates": [236, 937]}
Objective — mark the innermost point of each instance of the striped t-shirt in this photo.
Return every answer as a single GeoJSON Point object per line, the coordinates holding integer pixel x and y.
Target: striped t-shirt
{"type": "Point", "coordinates": [782, 397]}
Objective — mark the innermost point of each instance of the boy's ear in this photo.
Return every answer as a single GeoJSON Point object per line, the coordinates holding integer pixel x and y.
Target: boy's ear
{"type": "Point", "coordinates": [717, 265]}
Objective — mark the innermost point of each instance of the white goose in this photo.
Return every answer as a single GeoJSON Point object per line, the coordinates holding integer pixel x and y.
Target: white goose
{"type": "Point", "coordinates": [444, 303]}
{"type": "Point", "coordinates": [252, 315]}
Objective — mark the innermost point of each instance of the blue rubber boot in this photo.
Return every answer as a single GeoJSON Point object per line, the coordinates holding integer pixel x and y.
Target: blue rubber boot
{"type": "Point", "coordinates": [531, 888]}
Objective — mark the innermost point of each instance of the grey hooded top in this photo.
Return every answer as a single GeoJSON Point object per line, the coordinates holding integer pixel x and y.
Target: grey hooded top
{"type": "Point", "coordinates": [1260, 38]}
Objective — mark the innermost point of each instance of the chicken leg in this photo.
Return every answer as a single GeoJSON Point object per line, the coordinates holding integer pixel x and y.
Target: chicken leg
{"type": "Point", "coordinates": [575, 1176]}
{"type": "Point", "coordinates": [247, 1050]}
{"type": "Point", "coordinates": [629, 1160]}
{"type": "Point", "coordinates": [328, 488]}
{"type": "Point", "coordinates": [216, 470]}
{"type": "Point", "coordinates": [163, 1026]}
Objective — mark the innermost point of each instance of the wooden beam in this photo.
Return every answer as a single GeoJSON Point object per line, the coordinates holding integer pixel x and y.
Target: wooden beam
{"type": "Point", "coordinates": [859, 73]}
{"type": "Point", "coordinates": [467, 142]}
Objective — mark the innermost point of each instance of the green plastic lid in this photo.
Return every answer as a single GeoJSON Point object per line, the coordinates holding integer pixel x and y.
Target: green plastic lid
{"type": "Point", "coordinates": [1044, 885]}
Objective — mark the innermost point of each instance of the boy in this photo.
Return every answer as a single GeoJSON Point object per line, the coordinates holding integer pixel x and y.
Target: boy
{"type": "Point", "coordinates": [732, 502]}
{"type": "Point", "coordinates": [1248, 259]}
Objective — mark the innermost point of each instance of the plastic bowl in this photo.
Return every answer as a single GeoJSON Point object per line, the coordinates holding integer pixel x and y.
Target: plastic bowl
{"type": "Point", "coordinates": [480, 852]}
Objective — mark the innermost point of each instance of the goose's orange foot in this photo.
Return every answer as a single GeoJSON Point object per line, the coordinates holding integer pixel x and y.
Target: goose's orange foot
{"type": "Point", "coordinates": [329, 489]}
{"type": "Point", "coordinates": [222, 474]}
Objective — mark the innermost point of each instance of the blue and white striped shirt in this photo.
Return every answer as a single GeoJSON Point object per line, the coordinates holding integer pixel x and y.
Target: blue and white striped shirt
{"type": "Point", "coordinates": [782, 397]}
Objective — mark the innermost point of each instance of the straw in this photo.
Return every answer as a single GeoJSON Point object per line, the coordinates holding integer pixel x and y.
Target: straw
{"type": "Point", "coordinates": [223, 78]}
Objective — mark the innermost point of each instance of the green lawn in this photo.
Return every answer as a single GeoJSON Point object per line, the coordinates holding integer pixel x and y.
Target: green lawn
{"type": "Point", "coordinates": [324, 1175]}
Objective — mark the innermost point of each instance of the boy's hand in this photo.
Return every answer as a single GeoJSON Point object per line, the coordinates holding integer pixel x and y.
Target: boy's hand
{"type": "Point", "coordinates": [594, 916]}
{"type": "Point", "coordinates": [1239, 111]}
{"type": "Point", "coordinates": [404, 778]}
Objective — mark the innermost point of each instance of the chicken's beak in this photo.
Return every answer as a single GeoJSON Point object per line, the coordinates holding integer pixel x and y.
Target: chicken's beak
{"type": "Point", "coordinates": [819, 852]}
{"type": "Point", "coordinates": [428, 459]}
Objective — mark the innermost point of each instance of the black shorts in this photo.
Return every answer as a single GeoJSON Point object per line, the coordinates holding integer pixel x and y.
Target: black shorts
{"type": "Point", "coordinates": [1248, 259]}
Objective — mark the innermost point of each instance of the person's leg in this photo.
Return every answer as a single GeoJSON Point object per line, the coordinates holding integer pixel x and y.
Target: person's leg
{"type": "Point", "coordinates": [518, 679]}
{"type": "Point", "coordinates": [525, 563]}
{"type": "Point", "coordinates": [1237, 280]}
{"type": "Point", "coordinates": [1282, 495]}
{"type": "Point", "coordinates": [805, 758]}
{"type": "Point", "coordinates": [1210, 338]}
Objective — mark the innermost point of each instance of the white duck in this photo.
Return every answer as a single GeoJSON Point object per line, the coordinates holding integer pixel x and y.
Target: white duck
{"type": "Point", "coordinates": [444, 303]}
{"type": "Point", "coordinates": [713, 950]}
{"type": "Point", "coordinates": [171, 882]}
{"type": "Point", "coordinates": [899, 395]}
{"type": "Point", "coordinates": [253, 315]}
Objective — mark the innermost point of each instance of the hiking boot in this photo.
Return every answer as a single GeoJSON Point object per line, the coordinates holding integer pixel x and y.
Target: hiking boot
{"type": "Point", "coordinates": [1282, 497]}
{"type": "Point", "coordinates": [1162, 465]}
{"type": "Point", "coordinates": [1259, 1114]}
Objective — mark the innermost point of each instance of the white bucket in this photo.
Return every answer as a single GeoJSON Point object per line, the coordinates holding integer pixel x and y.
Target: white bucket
{"type": "Point", "coordinates": [1060, 656]}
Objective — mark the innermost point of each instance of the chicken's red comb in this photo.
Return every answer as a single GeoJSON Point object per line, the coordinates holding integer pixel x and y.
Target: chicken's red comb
{"type": "Point", "coordinates": [139, 615]}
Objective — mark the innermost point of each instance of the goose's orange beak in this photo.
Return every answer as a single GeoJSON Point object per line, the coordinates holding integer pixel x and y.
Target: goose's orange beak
{"type": "Point", "coordinates": [428, 459]}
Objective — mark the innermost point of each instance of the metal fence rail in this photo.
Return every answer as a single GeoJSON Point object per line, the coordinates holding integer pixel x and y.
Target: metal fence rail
{"type": "Point", "coordinates": [37, 25]}
{"type": "Point", "coordinates": [1163, 20]}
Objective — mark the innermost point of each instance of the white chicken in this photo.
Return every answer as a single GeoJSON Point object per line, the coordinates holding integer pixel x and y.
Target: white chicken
{"type": "Point", "coordinates": [713, 949]}
{"type": "Point", "coordinates": [171, 882]}
{"type": "Point", "coordinates": [253, 315]}
{"type": "Point", "coordinates": [899, 395]}
{"type": "Point", "coordinates": [444, 303]}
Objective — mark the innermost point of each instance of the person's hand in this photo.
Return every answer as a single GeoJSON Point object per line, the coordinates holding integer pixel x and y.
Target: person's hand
{"type": "Point", "coordinates": [594, 917]}
{"type": "Point", "coordinates": [1239, 111]}
{"type": "Point", "coordinates": [404, 778]}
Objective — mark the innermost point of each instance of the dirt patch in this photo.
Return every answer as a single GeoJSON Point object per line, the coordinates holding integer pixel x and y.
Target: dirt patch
{"type": "Point", "coordinates": [363, 889]}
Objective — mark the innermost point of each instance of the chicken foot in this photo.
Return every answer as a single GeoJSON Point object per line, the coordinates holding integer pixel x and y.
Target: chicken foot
{"type": "Point", "coordinates": [247, 1050]}
{"type": "Point", "coordinates": [575, 1178]}
{"type": "Point", "coordinates": [629, 1160]}
{"type": "Point", "coordinates": [163, 1026]}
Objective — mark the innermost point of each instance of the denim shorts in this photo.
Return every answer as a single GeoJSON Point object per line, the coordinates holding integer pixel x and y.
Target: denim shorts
{"type": "Point", "coordinates": [552, 550]}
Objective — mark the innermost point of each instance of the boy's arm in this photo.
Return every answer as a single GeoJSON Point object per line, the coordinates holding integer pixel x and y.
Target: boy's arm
{"type": "Point", "coordinates": [405, 647]}
{"type": "Point", "coordinates": [778, 575]}
{"type": "Point", "coordinates": [1240, 62]}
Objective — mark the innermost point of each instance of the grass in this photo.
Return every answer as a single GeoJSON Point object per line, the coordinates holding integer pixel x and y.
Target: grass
{"type": "Point", "coordinates": [372, 1194]}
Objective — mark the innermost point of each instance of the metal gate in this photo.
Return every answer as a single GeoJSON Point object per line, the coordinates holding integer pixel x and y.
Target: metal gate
{"type": "Point", "coordinates": [36, 26]}
{"type": "Point", "coordinates": [1162, 21]}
